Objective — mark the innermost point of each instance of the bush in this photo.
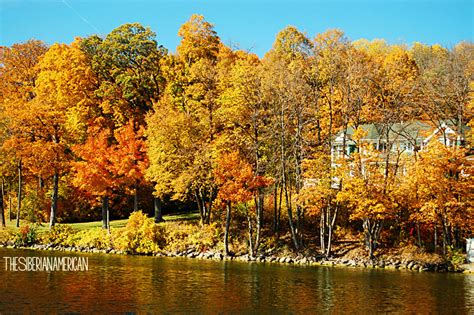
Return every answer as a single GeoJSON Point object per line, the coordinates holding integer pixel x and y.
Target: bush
{"type": "Point", "coordinates": [94, 238]}
{"type": "Point", "coordinates": [455, 257]}
{"type": "Point", "coordinates": [26, 236]}
{"type": "Point", "coordinates": [181, 236]}
{"type": "Point", "coordinates": [141, 235]}
{"type": "Point", "coordinates": [6, 236]}
{"type": "Point", "coordinates": [59, 235]}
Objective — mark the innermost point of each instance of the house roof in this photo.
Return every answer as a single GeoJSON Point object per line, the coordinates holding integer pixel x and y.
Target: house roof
{"type": "Point", "coordinates": [405, 130]}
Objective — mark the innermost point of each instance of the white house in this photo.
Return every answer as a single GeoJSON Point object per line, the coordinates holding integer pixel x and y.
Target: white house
{"type": "Point", "coordinates": [399, 137]}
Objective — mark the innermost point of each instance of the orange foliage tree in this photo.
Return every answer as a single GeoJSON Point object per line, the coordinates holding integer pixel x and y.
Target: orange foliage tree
{"type": "Point", "coordinates": [237, 184]}
{"type": "Point", "coordinates": [441, 184]}
{"type": "Point", "coordinates": [108, 163]}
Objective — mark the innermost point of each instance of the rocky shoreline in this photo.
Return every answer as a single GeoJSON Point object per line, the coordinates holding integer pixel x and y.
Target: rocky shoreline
{"type": "Point", "coordinates": [313, 260]}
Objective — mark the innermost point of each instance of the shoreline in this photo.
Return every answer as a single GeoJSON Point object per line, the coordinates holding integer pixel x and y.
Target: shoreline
{"type": "Point", "coordinates": [361, 262]}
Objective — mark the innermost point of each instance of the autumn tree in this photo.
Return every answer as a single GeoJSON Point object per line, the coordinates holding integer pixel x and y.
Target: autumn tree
{"type": "Point", "coordinates": [441, 183]}
{"type": "Point", "coordinates": [287, 88]}
{"type": "Point", "coordinates": [444, 84]}
{"type": "Point", "coordinates": [64, 91]}
{"type": "Point", "coordinates": [127, 64]}
{"type": "Point", "coordinates": [191, 95]}
{"type": "Point", "coordinates": [19, 72]}
{"type": "Point", "coordinates": [238, 184]}
{"type": "Point", "coordinates": [243, 117]}
{"type": "Point", "coordinates": [94, 172]}
{"type": "Point", "coordinates": [365, 191]}
{"type": "Point", "coordinates": [109, 162]}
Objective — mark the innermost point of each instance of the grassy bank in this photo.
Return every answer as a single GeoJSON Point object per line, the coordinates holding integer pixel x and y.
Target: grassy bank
{"type": "Point", "coordinates": [11, 225]}
{"type": "Point", "coordinates": [136, 235]}
{"type": "Point", "coordinates": [183, 235]}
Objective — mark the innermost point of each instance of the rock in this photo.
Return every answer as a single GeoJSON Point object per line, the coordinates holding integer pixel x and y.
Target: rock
{"type": "Point", "coordinates": [282, 259]}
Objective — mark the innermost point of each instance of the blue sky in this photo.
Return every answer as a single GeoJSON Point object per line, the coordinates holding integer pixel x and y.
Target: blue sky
{"type": "Point", "coordinates": [249, 25]}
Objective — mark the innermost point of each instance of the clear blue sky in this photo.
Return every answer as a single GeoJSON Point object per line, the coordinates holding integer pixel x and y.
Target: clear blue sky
{"type": "Point", "coordinates": [250, 25]}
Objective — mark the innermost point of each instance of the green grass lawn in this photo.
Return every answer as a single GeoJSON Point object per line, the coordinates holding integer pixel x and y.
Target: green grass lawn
{"type": "Point", "coordinates": [113, 223]}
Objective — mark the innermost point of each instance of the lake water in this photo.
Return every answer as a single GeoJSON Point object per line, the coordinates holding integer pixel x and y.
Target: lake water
{"type": "Point", "coordinates": [134, 284]}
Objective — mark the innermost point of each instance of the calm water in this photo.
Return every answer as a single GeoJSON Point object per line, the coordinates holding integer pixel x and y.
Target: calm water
{"type": "Point", "coordinates": [149, 284]}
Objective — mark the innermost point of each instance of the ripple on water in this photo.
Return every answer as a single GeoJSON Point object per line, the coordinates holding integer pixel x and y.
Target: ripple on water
{"type": "Point", "coordinates": [149, 284]}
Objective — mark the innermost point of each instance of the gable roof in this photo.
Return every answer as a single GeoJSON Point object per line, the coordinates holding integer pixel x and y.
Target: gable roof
{"type": "Point", "coordinates": [404, 130]}
{"type": "Point", "coordinates": [449, 129]}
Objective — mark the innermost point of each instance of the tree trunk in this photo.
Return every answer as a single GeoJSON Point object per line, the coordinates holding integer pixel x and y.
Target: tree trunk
{"type": "Point", "coordinates": [105, 213]}
{"type": "Point", "coordinates": [2, 212]}
{"type": "Point", "coordinates": [418, 233]}
{"type": "Point", "coordinates": [227, 225]}
{"type": "Point", "coordinates": [19, 195]}
{"type": "Point", "coordinates": [290, 220]}
{"type": "Point", "coordinates": [371, 247]}
{"type": "Point", "coordinates": [209, 209]}
{"type": "Point", "coordinates": [135, 197]}
{"type": "Point", "coordinates": [369, 231]}
{"type": "Point", "coordinates": [54, 200]}
{"type": "Point", "coordinates": [283, 177]}
{"type": "Point", "coordinates": [330, 229]}
{"type": "Point", "coordinates": [10, 216]}
{"type": "Point", "coordinates": [259, 208]}
{"type": "Point", "coordinates": [444, 235]}
{"type": "Point", "coordinates": [158, 213]}
{"type": "Point", "coordinates": [249, 220]}
{"type": "Point", "coordinates": [204, 208]}
{"type": "Point", "coordinates": [40, 183]}
{"type": "Point", "coordinates": [199, 204]}
{"type": "Point", "coordinates": [457, 238]}
{"type": "Point", "coordinates": [275, 207]}
{"type": "Point", "coordinates": [322, 229]}
{"type": "Point", "coordinates": [279, 208]}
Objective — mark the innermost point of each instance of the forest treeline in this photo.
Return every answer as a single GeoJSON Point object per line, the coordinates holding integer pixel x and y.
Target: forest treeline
{"type": "Point", "coordinates": [120, 120]}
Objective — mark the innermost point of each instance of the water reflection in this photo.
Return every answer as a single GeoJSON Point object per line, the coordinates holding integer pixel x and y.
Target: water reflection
{"type": "Point", "coordinates": [148, 284]}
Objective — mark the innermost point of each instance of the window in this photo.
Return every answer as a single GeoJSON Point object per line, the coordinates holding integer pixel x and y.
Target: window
{"type": "Point", "coordinates": [352, 148]}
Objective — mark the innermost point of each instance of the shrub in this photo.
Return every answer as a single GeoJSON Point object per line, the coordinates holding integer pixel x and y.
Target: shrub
{"type": "Point", "coordinates": [6, 236]}
{"type": "Point", "coordinates": [141, 235]}
{"type": "Point", "coordinates": [94, 238]}
{"type": "Point", "coordinates": [181, 236]}
{"type": "Point", "coordinates": [455, 257]}
{"type": "Point", "coordinates": [26, 236]}
{"type": "Point", "coordinates": [60, 234]}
